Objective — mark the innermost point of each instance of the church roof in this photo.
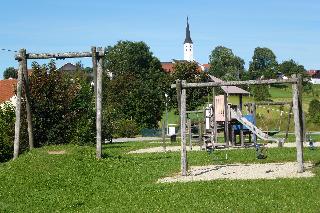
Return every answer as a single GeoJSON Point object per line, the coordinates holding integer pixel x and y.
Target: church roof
{"type": "Point", "coordinates": [188, 37]}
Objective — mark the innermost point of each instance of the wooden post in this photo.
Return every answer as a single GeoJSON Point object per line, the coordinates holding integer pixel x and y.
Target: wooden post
{"type": "Point", "coordinates": [200, 131]}
{"type": "Point", "coordinates": [23, 54]}
{"type": "Point", "coordinates": [254, 108]}
{"type": "Point", "coordinates": [99, 106]}
{"type": "Point", "coordinates": [215, 131]}
{"type": "Point", "coordinates": [233, 137]}
{"type": "Point", "coordinates": [183, 133]}
{"type": "Point", "coordinates": [16, 143]}
{"type": "Point", "coordinates": [190, 134]}
{"type": "Point", "coordinates": [164, 135]}
{"type": "Point", "coordinates": [226, 121]}
{"type": "Point", "coordinates": [241, 125]}
{"type": "Point", "coordinates": [94, 70]}
{"type": "Point", "coordinates": [205, 126]}
{"type": "Point", "coordinates": [298, 121]}
{"type": "Point", "coordinates": [288, 125]}
{"type": "Point", "coordinates": [178, 89]}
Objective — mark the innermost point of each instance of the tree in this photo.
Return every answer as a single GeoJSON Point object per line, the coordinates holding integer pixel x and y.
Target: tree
{"type": "Point", "coordinates": [263, 64]}
{"type": "Point", "coordinates": [260, 92]}
{"type": "Point", "coordinates": [136, 90]}
{"type": "Point", "coordinates": [190, 72]}
{"type": "Point", "coordinates": [314, 111]}
{"type": "Point", "coordinates": [10, 72]}
{"type": "Point", "coordinates": [62, 106]}
{"type": "Point", "coordinates": [224, 64]}
{"type": "Point", "coordinates": [290, 67]}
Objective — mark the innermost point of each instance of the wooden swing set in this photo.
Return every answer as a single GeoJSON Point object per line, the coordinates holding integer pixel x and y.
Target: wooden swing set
{"type": "Point", "coordinates": [22, 57]}
{"type": "Point", "coordinates": [296, 81]}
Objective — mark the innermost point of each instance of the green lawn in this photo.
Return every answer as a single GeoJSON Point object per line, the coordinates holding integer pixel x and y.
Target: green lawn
{"type": "Point", "coordinates": [77, 182]}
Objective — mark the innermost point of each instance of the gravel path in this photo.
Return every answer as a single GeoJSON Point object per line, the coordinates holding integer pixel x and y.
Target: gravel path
{"type": "Point", "coordinates": [241, 171]}
{"type": "Point", "coordinates": [197, 148]}
{"type": "Point", "coordinates": [117, 140]}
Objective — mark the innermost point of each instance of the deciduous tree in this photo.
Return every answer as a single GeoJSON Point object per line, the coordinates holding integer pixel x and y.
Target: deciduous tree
{"type": "Point", "coordinates": [190, 72]}
{"type": "Point", "coordinates": [263, 64]}
{"type": "Point", "coordinates": [10, 72]}
{"type": "Point", "coordinates": [138, 84]}
{"type": "Point", "coordinates": [224, 64]}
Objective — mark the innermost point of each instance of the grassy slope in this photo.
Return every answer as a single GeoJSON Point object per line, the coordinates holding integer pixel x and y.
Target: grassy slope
{"type": "Point", "coordinates": [38, 182]}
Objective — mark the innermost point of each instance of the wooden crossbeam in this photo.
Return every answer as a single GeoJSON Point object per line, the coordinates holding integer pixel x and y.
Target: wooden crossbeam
{"type": "Point", "coordinates": [266, 103]}
{"type": "Point", "coordinates": [59, 55]}
{"type": "Point", "coordinates": [293, 80]}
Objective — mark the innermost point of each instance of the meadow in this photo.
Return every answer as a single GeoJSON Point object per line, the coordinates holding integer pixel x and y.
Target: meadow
{"type": "Point", "coordinates": [76, 182]}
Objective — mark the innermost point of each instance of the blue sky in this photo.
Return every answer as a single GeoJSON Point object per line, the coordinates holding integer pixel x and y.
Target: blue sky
{"type": "Point", "coordinates": [291, 28]}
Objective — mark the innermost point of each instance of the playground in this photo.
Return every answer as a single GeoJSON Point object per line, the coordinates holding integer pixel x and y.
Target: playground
{"type": "Point", "coordinates": [232, 162]}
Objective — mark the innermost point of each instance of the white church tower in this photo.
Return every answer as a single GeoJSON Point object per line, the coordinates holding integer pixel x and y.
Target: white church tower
{"type": "Point", "coordinates": [188, 45]}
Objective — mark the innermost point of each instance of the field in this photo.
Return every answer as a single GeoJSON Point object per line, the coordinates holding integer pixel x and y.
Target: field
{"type": "Point", "coordinates": [77, 182]}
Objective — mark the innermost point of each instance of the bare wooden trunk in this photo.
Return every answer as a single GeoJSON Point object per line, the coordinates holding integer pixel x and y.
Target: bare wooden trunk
{"type": "Point", "coordinates": [298, 121]}
{"type": "Point", "coordinates": [241, 125]}
{"type": "Point", "coordinates": [94, 70]}
{"type": "Point", "coordinates": [254, 108]}
{"type": "Point", "coordinates": [99, 106]}
{"type": "Point", "coordinates": [190, 134]}
{"type": "Point", "coordinates": [200, 132]}
{"type": "Point", "coordinates": [183, 134]}
{"type": "Point", "coordinates": [27, 97]}
{"type": "Point", "coordinates": [288, 124]}
{"type": "Point", "coordinates": [226, 121]}
{"type": "Point", "coordinates": [164, 135]}
{"type": "Point", "coordinates": [16, 143]}
{"type": "Point", "coordinates": [236, 83]}
{"type": "Point", "coordinates": [215, 132]}
{"type": "Point", "coordinates": [178, 89]}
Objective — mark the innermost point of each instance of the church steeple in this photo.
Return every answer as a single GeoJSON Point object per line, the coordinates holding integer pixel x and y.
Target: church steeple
{"type": "Point", "coordinates": [188, 45]}
{"type": "Point", "coordinates": [188, 38]}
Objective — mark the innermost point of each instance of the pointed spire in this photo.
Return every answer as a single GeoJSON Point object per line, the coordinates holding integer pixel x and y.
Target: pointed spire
{"type": "Point", "coordinates": [188, 38]}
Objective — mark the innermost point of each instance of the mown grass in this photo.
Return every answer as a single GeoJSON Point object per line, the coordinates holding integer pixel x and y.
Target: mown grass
{"type": "Point", "coordinates": [77, 182]}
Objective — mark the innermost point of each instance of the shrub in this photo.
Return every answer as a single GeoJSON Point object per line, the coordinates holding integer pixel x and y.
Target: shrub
{"type": "Point", "coordinates": [7, 118]}
{"type": "Point", "coordinates": [314, 111]}
{"type": "Point", "coordinates": [125, 128]}
{"type": "Point", "coordinates": [62, 106]}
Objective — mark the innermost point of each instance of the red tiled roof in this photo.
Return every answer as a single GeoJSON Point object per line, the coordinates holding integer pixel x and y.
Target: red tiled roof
{"type": "Point", "coordinates": [167, 66]}
{"type": "Point", "coordinates": [207, 66]}
{"type": "Point", "coordinates": [312, 72]}
{"type": "Point", "coordinates": [7, 89]}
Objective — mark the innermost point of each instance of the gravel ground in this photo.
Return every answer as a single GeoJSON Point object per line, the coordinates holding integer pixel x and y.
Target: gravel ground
{"type": "Point", "coordinates": [117, 140]}
{"type": "Point", "coordinates": [197, 148]}
{"type": "Point", "coordinates": [241, 171]}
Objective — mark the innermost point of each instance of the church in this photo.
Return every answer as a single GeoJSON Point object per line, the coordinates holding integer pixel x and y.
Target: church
{"type": "Point", "coordinates": [187, 53]}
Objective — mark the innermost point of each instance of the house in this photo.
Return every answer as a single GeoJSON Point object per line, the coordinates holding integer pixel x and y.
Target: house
{"type": "Point", "coordinates": [315, 76]}
{"type": "Point", "coordinates": [7, 91]}
{"type": "Point", "coordinates": [68, 67]}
